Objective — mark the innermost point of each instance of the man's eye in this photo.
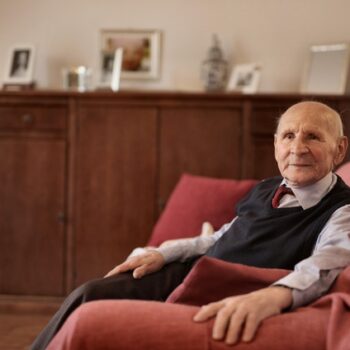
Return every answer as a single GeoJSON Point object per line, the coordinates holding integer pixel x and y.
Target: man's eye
{"type": "Point", "coordinates": [288, 136]}
{"type": "Point", "coordinates": [313, 137]}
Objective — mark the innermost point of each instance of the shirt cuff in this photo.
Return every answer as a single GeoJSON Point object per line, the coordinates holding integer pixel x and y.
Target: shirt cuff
{"type": "Point", "coordinates": [321, 286]}
{"type": "Point", "coordinates": [298, 280]}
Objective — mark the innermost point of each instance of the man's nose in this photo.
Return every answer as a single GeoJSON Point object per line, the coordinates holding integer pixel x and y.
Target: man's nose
{"type": "Point", "coordinates": [299, 146]}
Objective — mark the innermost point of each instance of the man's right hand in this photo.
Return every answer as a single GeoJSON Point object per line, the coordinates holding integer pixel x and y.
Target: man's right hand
{"type": "Point", "coordinates": [141, 265]}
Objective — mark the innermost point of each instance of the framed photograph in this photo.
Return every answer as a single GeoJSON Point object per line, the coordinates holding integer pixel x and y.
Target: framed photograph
{"type": "Point", "coordinates": [326, 70]}
{"type": "Point", "coordinates": [245, 78]}
{"type": "Point", "coordinates": [20, 65]}
{"type": "Point", "coordinates": [141, 54]}
{"type": "Point", "coordinates": [117, 67]}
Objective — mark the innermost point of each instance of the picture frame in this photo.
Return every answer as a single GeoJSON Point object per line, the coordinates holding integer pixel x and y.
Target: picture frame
{"type": "Point", "coordinates": [76, 78]}
{"type": "Point", "coordinates": [117, 67]}
{"type": "Point", "coordinates": [245, 78]}
{"type": "Point", "coordinates": [20, 66]}
{"type": "Point", "coordinates": [327, 69]}
{"type": "Point", "coordinates": [141, 54]}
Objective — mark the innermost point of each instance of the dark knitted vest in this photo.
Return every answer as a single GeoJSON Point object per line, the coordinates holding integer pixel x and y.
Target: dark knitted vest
{"type": "Point", "coordinates": [276, 238]}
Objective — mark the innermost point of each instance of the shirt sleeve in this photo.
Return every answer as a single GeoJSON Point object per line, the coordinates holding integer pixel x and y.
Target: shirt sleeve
{"type": "Point", "coordinates": [183, 249]}
{"type": "Point", "coordinates": [312, 277]}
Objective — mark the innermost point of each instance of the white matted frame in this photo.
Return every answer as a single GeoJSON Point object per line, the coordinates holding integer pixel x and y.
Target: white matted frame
{"type": "Point", "coordinates": [20, 65]}
{"type": "Point", "coordinates": [327, 69]}
{"type": "Point", "coordinates": [245, 78]}
{"type": "Point", "coordinates": [141, 54]}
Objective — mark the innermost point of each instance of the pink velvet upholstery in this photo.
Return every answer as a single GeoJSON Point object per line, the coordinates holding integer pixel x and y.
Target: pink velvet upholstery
{"type": "Point", "coordinates": [131, 325]}
{"type": "Point", "coordinates": [197, 199]}
{"type": "Point", "coordinates": [344, 172]}
{"type": "Point", "coordinates": [145, 325]}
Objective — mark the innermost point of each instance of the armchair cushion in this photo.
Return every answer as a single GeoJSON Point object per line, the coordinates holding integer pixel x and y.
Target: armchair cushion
{"type": "Point", "coordinates": [197, 199]}
{"type": "Point", "coordinates": [212, 279]}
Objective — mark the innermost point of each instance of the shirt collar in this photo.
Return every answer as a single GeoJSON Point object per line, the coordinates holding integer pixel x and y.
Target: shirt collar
{"type": "Point", "coordinates": [310, 195]}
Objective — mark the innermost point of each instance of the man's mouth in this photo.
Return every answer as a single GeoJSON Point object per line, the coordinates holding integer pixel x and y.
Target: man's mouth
{"type": "Point", "coordinates": [299, 165]}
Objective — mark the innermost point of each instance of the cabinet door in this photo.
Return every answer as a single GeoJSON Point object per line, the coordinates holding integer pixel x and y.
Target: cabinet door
{"type": "Point", "coordinates": [260, 126]}
{"type": "Point", "coordinates": [115, 185]}
{"type": "Point", "coordinates": [200, 141]}
{"type": "Point", "coordinates": [31, 201]}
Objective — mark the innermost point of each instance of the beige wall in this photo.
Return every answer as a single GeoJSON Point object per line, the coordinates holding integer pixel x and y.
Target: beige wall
{"type": "Point", "coordinates": [275, 33]}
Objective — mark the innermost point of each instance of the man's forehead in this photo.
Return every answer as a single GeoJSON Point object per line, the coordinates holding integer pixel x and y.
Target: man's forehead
{"type": "Point", "coordinates": [305, 121]}
{"type": "Point", "coordinates": [300, 127]}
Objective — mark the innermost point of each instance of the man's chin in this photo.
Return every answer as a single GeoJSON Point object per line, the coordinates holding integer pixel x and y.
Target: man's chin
{"type": "Point", "coordinates": [299, 180]}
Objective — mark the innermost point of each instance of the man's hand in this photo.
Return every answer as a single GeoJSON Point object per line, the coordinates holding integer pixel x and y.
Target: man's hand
{"type": "Point", "coordinates": [240, 316]}
{"type": "Point", "coordinates": [142, 265]}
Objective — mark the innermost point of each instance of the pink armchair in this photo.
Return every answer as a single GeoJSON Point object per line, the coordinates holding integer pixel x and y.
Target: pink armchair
{"type": "Point", "coordinates": [128, 324]}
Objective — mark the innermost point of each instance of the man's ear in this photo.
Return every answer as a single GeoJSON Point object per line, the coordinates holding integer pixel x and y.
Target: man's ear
{"type": "Point", "coordinates": [342, 147]}
{"type": "Point", "coordinates": [274, 143]}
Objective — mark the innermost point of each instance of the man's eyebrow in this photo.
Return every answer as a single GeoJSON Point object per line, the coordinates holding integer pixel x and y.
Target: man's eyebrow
{"type": "Point", "coordinates": [313, 131]}
{"type": "Point", "coordinates": [285, 130]}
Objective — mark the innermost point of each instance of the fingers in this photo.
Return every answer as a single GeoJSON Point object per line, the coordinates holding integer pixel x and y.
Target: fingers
{"type": "Point", "coordinates": [140, 271]}
{"type": "Point", "coordinates": [251, 326]}
{"type": "Point", "coordinates": [128, 265]}
{"type": "Point", "coordinates": [222, 324]}
{"type": "Point", "coordinates": [243, 325]}
{"type": "Point", "coordinates": [228, 321]}
{"type": "Point", "coordinates": [114, 271]}
{"type": "Point", "coordinates": [141, 265]}
{"type": "Point", "coordinates": [231, 321]}
{"type": "Point", "coordinates": [207, 311]}
{"type": "Point", "coordinates": [125, 266]}
{"type": "Point", "coordinates": [234, 320]}
{"type": "Point", "coordinates": [111, 273]}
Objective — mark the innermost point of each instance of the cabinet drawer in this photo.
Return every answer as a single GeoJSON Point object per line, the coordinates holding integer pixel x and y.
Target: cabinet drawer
{"type": "Point", "coordinates": [33, 118]}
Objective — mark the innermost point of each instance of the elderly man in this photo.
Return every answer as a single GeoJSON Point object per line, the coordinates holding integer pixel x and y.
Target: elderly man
{"type": "Point", "coordinates": [298, 221]}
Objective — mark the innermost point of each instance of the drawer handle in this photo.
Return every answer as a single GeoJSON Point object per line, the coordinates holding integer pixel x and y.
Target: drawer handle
{"type": "Point", "coordinates": [27, 118]}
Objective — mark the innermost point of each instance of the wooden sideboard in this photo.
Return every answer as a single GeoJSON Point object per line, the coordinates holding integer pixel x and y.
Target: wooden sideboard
{"type": "Point", "coordinates": [84, 176]}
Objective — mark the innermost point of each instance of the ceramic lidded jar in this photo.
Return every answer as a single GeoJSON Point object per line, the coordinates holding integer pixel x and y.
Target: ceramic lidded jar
{"type": "Point", "coordinates": [214, 68]}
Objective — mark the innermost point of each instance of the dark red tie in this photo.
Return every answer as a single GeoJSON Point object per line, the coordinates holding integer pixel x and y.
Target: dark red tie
{"type": "Point", "coordinates": [281, 191]}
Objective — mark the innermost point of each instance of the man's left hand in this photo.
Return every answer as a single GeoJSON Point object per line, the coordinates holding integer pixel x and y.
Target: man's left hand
{"type": "Point", "coordinates": [240, 316]}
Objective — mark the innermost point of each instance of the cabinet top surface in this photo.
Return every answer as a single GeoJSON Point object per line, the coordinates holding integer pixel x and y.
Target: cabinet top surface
{"type": "Point", "coordinates": [162, 94]}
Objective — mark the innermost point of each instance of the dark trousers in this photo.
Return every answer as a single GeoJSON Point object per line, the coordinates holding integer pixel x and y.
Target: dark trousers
{"type": "Point", "coordinates": [156, 286]}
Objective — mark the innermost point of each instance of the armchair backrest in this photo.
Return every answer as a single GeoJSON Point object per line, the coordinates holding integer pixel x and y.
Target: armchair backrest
{"type": "Point", "coordinates": [344, 172]}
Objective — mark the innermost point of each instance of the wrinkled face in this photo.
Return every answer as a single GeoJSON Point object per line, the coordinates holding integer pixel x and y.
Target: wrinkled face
{"type": "Point", "coordinates": [308, 144]}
